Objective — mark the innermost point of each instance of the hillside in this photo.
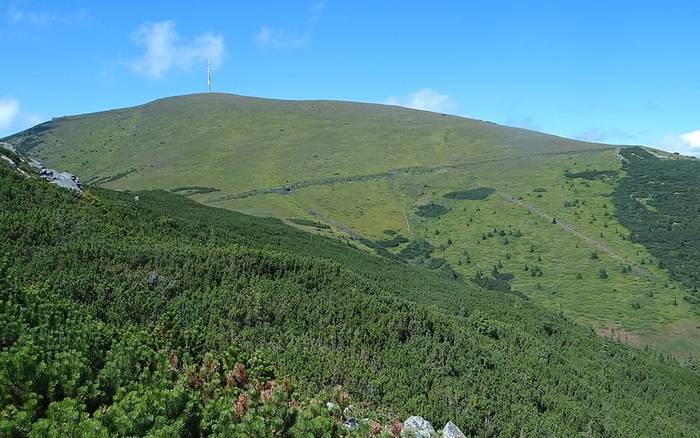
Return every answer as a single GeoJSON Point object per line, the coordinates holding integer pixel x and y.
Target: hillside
{"type": "Point", "coordinates": [250, 143]}
{"type": "Point", "coordinates": [512, 210]}
{"type": "Point", "coordinates": [125, 315]}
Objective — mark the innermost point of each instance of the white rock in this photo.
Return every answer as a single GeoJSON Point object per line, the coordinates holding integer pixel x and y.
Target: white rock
{"type": "Point", "coordinates": [8, 146]}
{"type": "Point", "coordinates": [452, 431]}
{"type": "Point", "coordinates": [8, 159]}
{"type": "Point", "coordinates": [418, 427]}
{"type": "Point", "coordinates": [36, 164]}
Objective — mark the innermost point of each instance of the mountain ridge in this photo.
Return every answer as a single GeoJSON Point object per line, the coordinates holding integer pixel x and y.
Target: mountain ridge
{"type": "Point", "coordinates": [311, 101]}
{"type": "Point", "coordinates": [380, 177]}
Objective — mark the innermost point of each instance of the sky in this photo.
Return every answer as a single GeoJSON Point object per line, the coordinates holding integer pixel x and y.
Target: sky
{"type": "Point", "coordinates": [613, 71]}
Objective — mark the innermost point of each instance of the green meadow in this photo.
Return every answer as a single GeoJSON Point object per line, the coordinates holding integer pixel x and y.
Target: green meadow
{"type": "Point", "coordinates": [532, 211]}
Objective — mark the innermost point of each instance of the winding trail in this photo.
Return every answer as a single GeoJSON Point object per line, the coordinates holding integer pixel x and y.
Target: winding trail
{"type": "Point", "coordinates": [412, 170]}
{"type": "Point", "coordinates": [571, 229]}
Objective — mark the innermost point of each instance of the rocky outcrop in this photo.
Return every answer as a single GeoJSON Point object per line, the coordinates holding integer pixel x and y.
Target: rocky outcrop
{"type": "Point", "coordinates": [452, 431]}
{"type": "Point", "coordinates": [61, 179]}
{"type": "Point", "coordinates": [25, 165]}
{"type": "Point", "coordinates": [8, 146]}
{"type": "Point", "coordinates": [418, 427]}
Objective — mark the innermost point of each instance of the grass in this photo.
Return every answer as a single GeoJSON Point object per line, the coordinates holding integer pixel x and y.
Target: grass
{"type": "Point", "coordinates": [246, 143]}
{"type": "Point", "coordinates": [408, 165]}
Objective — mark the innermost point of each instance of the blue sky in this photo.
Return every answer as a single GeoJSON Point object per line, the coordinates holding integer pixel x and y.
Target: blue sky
{"type": "Point", "coordinates": [611, 71]}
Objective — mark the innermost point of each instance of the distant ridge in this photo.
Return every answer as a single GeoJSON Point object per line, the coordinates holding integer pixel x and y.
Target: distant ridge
{"type": "Point", "coordinates": [279, 141]}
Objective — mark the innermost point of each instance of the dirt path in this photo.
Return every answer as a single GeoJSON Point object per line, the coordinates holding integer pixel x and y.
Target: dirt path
{"type": "Point", "coordinates": [413, 170]}
{"type": "Point", "coordinates": [571, 229]}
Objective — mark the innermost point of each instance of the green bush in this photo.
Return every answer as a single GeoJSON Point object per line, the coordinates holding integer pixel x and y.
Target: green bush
{"type": "Point", "coordinates": [472, 194]}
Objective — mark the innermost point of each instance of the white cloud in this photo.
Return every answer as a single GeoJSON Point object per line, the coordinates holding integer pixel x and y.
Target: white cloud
{"type": "Point", "coordinates": [686, 144]}
{"type": "Point", "coordinates": [425, 99]}
{"type": "Point", "coordinates": [276, 39]}
{"type": "Point", "coordinates": [9, 110]}
{"type": "Point", "coordinates": [692, 139]}
{"type": "Point", "coordinates": [17, 14]}
{"type": "Point", "coordinates": [165, 49]}
{"type": "Point", "coordinates": [13, 118]}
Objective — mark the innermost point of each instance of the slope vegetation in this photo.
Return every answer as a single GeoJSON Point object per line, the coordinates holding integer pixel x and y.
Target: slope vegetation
{"type": "Point", "coordinates": [167, 296]}
{"type": "Point", "coordinates": [507, 209]}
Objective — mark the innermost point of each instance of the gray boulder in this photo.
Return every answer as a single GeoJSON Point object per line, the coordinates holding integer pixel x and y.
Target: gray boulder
{"type": "Point", "coordinates": [418, 427]}
{"type": "Point", "coordinates": [452, 431]}
{"type": "Point", "coordinates": [61, 179]}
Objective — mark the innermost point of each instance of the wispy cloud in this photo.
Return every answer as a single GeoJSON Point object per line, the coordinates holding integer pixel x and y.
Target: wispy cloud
{"type": "Point", "coordinates": [9, 110]}
{"type": "Point", "coordinates": [277, 39]}
{"type": "Point", "coordinates": [18, 12]}
{"type": "Point", "coordinates": [601, 135]}
{"type": "Point", "coordinates": [166, 50]}
{"type": "Point", "coordinates": [425, 99]}
{"type": "Point", "coordinates": [686, 144]}
{"type": "Point", "coordinates": [13, 117]}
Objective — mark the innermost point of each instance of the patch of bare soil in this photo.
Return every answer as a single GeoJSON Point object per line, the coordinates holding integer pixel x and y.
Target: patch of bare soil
{"type": "Point", "coordinates": [619, 334]}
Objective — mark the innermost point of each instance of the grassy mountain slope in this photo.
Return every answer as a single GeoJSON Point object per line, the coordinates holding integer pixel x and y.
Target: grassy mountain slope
{"type": "Point", "coordinates": [247, 143]}
{"type": "Point", "coordinates": [385, 178]}
{"type": "Point", "coordinates": [201, 280]}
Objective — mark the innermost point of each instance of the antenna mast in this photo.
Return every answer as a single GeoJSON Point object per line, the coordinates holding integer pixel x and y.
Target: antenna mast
{"type": "Point", "coordinates": [208, 76]}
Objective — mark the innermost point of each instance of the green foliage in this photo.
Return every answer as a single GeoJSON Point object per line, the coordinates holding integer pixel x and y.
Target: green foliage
{"type": "Point", "coordinates": [592, 174]}
{"type": "Point", "coordinates": [498, 281]}
{"type": "Point", "coordinates": [659, 202]}
{"type": "Point", "coordinates": [472, 194]}
{"type": "Point", "coordinates": [194, 190]}
{"type": "Point", "coordinates": [395, 241]}
{"type": "Point", "coordinates": [308, 223]}
{"type": "Point", "coordinates": [112, 178]}
{"type": "Point", "coordinates": [68, 374]}
{"type": "Point", "coordinates": [416, 249]}
{"type": "Point", "coordinates": [124, 318]}
{"type": "Point", "coordinates": [431, 210]}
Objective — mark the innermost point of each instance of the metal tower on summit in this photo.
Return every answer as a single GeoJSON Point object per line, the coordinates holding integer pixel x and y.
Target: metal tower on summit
{"type": "Point", "coordinates": [208, 76]}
